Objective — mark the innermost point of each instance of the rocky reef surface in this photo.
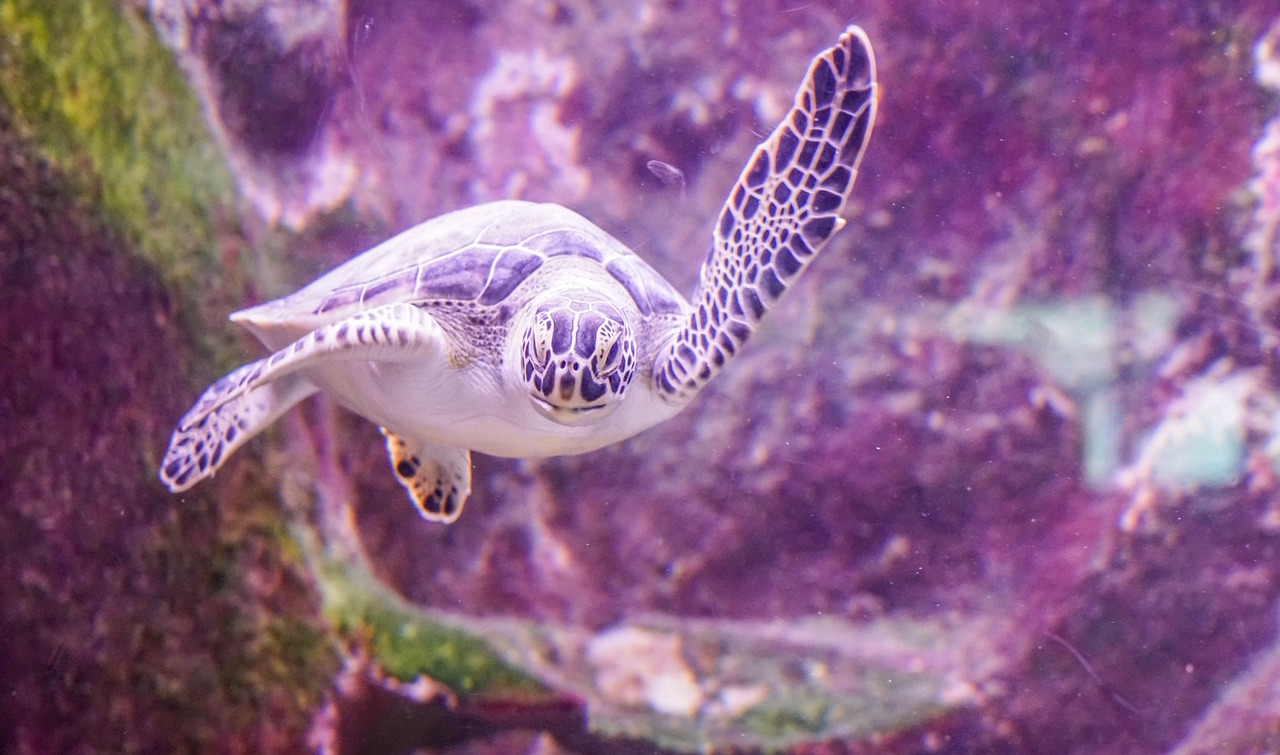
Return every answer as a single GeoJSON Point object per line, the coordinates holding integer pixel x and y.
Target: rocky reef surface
{"type": "Point", "coordinates": [1001, 475]}
{"type": "Point", "coordinates": [129, 624]}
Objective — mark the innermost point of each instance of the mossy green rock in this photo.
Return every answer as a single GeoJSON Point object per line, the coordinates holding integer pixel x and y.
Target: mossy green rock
{"type": "Point", "coordinates": [102, 99]}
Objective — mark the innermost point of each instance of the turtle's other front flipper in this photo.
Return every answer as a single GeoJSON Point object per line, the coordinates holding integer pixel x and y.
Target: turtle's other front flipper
{"type": "Point", "coordinates": [198, 448]}
{"type": "Point", "coordinates": [438, 479]}
{"type": "Point", "coordinates": [239, 405]}
{"type": "Point", "coordinates": [784, 208]}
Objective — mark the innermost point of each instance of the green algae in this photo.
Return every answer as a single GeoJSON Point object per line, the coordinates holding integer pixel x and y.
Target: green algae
{"type": "Point", "coordinates": [407, 642]}
{"type": "Point", "coordinates": [274, 647]}
{"type": "Point", "coordinates": [93, 88]}
{"type": "Point", "coordinates": [772, 685]}
{"type": "Point", "coordinates": [91, 91]}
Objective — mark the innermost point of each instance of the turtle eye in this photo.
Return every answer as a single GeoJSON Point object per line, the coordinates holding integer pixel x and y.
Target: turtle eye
{"type": "Point", "coordinates": [544, 327]}
{"type": "Point", "coordinates": [607, 358]}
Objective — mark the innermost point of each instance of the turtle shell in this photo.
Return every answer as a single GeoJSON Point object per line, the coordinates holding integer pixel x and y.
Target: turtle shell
{"type": "Point", "coordinates": [480, 254]}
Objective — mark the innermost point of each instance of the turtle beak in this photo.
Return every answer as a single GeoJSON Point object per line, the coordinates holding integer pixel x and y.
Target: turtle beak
{"type": "Point", "coordinates": [579, 415]}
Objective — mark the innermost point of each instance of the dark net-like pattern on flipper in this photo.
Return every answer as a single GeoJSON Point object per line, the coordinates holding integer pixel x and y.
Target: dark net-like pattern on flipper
{"type": "Point", "coordinates": [783, 209]}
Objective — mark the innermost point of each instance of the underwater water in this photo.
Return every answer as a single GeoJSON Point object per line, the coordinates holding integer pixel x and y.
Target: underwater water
{"type": "Point", "coordinates": [1001, 473]}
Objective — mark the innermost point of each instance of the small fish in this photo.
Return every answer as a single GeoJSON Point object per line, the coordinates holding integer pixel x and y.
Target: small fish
{"type": "Point", "coordinates": [667, 173]}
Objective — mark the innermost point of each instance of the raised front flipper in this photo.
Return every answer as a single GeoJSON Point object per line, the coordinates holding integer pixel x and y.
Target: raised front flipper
{"type": "Point", "coordinates": [780, 214]}
{"type": "Point", "coordinates": [438, 479]}
{"type": "Point", "coordinates": [241, 404]}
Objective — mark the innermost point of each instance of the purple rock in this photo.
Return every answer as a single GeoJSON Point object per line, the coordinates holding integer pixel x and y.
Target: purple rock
{"type": "Point", "coordinates": [859, 459]}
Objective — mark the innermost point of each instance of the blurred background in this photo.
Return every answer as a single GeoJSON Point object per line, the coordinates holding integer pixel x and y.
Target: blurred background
{"type": "Point", "coordinates": [1000, 476]}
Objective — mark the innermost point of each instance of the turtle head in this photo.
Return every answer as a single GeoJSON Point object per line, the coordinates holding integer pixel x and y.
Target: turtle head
{"type": "Point", "coordinates": [577, 357]}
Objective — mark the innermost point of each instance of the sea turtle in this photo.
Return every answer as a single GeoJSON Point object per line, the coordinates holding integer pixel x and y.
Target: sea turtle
{"type": "Point", "coordinates": [518, 329]}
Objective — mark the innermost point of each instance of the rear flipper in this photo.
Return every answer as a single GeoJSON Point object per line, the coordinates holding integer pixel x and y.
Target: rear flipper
{"type": "Point", "coordinates": [204, 438]}
{"type": "Point", "coordinates": [437, 478]}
